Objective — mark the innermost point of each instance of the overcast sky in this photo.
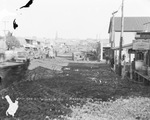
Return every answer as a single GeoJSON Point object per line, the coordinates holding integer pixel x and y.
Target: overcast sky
{"type": "Point", "coordinates": [70, 18]}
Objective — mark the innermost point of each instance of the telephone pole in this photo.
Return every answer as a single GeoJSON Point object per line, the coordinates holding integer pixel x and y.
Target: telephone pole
{"type": "Point", "coordinates": [121, 38]}
{"type": "Point", "coordinates": [5, 27]}
{"type": "Point", "coordinates": [112, 29]}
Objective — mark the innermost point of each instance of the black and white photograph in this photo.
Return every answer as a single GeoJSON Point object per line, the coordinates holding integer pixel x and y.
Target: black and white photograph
{"type": "Point", "coordinates": [74, 59]}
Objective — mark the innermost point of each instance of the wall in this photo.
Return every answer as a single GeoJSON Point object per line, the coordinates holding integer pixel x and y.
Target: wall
{"type": "Point", "coordinates": [128, 37]}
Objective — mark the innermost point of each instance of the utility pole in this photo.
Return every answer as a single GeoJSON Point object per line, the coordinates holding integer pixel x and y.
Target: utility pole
{"type": "Point", "coordinates": [112, 41]}
{"type": "Point", "coordinates": [121, 39]}
{"type": "Point", "coordinates": [5, 27]}
{"type": "Point", "coordinates": [98, 49]}
{"type": "Point", "coordinates": [112, 29]}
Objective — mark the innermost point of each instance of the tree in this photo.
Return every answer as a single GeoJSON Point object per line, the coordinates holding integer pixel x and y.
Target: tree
{"type": "Point", "coordinates": [11, 41]}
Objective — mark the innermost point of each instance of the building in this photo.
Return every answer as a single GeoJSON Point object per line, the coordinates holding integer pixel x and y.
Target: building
{"type": "Point", "coordinates": [22, 41]}
{"type": "Point", "coordinates": [132, 25]}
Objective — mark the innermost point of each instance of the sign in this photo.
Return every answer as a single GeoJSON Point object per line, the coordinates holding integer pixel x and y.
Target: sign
{"type": "Point", "coordinates": [141, 44]}
{"type": "Point", "coordinates": [131, 51]}
{"type": "Point", "coordinates": [142, 35]}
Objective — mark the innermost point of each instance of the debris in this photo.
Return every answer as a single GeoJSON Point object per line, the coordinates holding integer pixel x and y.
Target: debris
{"type": "Point", "coordinates": [47, 118]}
{"type": "Point", "coordinates": [67, 74]}
{"type": "Point", "coordinates": [66, 68]}
{"type": "Point", "coordinates": [76, 70]}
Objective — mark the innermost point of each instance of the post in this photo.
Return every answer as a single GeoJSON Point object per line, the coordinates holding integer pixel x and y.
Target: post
{"type": "Point", "coordinates": [130, 63]}
{"type": "Point", "coordinates": [121, 39]}
{"type": "Point", "coordinates": [112, 29]}
{"type": "Point", "coordinates": [99, 51]}
{"type": "Point", "coordinates": [112, 36]}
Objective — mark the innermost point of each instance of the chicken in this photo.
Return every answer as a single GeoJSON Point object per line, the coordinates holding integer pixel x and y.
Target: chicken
{"type": "Point", "coordinates": [12, 106]}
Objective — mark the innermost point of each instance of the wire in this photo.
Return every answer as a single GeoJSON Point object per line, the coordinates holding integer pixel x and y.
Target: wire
{"type": "Point", "coordinates": [119, 7]}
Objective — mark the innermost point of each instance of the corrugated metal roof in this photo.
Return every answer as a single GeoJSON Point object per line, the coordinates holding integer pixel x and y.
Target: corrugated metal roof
{"type": "Point", "coordinates": [131, 24]}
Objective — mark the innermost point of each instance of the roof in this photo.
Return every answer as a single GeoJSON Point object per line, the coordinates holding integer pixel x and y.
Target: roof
{"type": "Point", "coordinates": [131, 24]}
{"type": "Point", "coordinates": [124, 46]}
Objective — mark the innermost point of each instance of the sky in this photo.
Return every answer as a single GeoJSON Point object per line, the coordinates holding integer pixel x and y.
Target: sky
{"type": "Point", "coordinates": [68, 18]}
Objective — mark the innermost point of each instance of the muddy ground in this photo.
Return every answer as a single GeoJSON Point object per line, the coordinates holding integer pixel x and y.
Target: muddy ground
{"type": "Point", "coordinates": [52, 86]}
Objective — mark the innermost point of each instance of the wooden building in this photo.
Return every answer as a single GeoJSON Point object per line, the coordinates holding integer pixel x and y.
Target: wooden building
{"type": "Point", "coordinates": [132, 25]}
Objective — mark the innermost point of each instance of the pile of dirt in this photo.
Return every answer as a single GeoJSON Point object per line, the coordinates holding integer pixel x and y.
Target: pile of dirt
{"type": "Point", "coordinates": [52, 94]}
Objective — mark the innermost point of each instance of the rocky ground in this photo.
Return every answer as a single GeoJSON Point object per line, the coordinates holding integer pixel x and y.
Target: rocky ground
{"type": "Point", "coordinates": [59, 89]}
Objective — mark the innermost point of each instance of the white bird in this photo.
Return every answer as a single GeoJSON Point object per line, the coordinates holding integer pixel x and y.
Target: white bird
{"type": "Point", "coordinates": [12, 106]}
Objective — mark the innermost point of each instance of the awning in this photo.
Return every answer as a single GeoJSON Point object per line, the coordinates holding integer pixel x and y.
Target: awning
{"type": "Point", "coordinates": [128, 46]}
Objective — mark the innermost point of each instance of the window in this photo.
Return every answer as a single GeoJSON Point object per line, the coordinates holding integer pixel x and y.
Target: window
{"type": "Point", "coordinates": [139, 56]}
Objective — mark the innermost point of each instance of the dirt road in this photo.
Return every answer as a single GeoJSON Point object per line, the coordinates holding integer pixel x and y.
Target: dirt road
{"type": "Point", "coordinates": [52, 87]}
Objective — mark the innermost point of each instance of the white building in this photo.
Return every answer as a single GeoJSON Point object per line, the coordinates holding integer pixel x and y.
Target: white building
{"type": "Point", "coordinates": [132, 25]}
